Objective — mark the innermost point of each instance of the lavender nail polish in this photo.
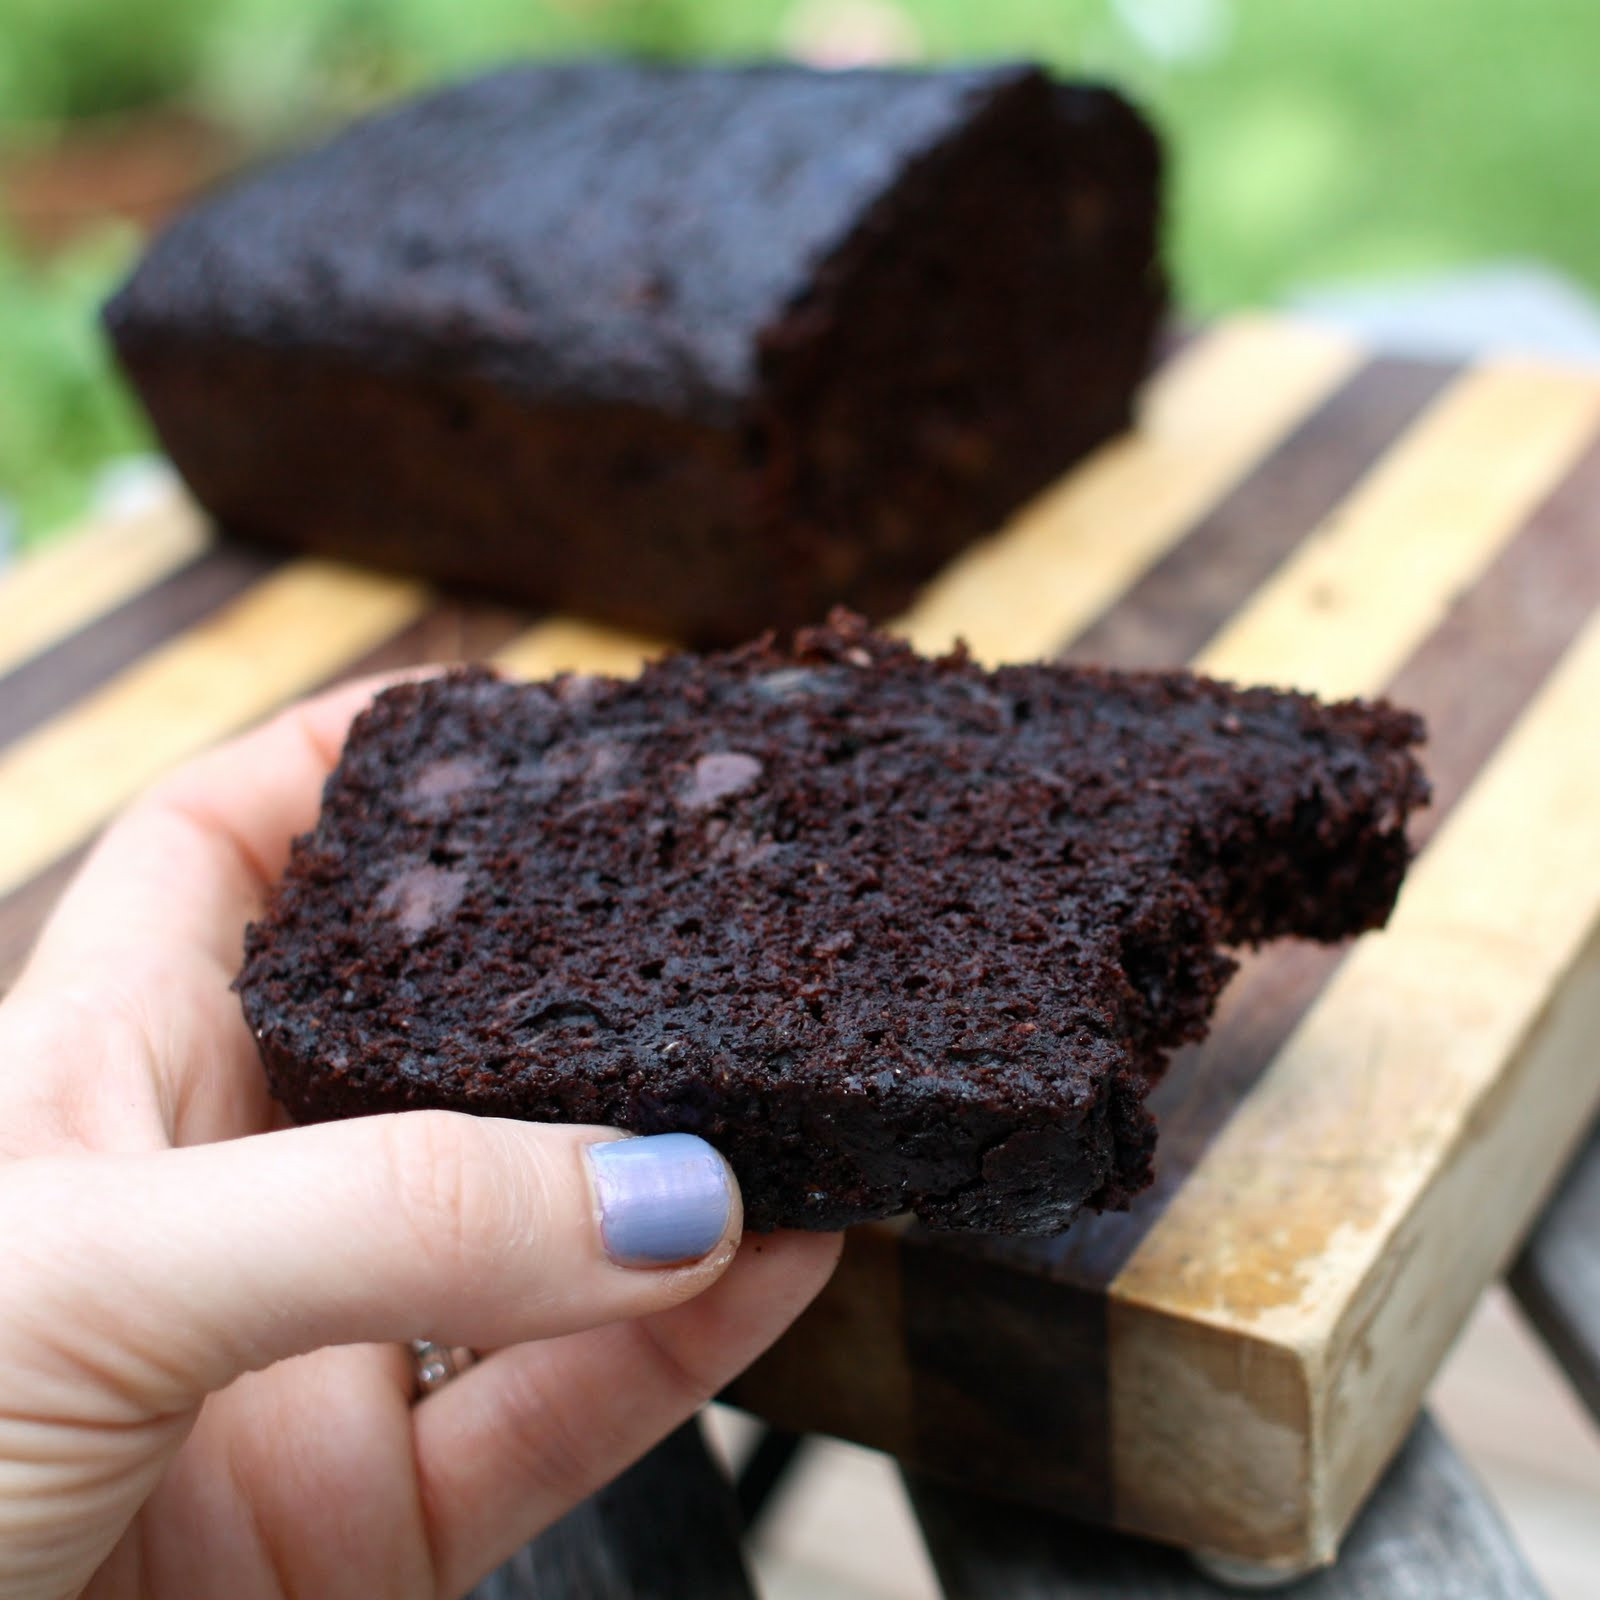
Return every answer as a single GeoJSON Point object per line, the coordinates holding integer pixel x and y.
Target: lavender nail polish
{"type": "Point", "coordinates": [663, 1199]}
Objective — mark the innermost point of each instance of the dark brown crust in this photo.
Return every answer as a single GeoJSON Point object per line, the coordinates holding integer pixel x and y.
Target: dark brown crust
{"type": "Point", "coordinates": [696, 350]}
{"type": "Point", "coordinates": [894, 934]}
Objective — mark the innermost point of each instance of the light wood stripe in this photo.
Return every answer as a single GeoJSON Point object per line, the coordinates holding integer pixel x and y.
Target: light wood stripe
{"type": "Point", "coordinates": [1364, 590]}
{"type": "Point", "coordinates": [1472, 677]}
{"type": "Point", "coordinates": [564, 645]}
{"type": "Point", "coordinates": [1225, 555]}
{"type": "Point", "coordinates": [1229, 1306]}
{"type": "Point", "coordinates": [287, 635]}
{"type": "Point", "coordinates": [1428, 1095]}
{"type": "Point", "coordinates": [91, 570]}
{"type": "Point", "coordinates": [1208, 417]}
{"type": "Point", "coordinates": [1492, 917]}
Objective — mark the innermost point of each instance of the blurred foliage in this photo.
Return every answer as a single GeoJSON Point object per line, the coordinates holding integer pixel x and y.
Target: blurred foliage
{"type": "Point", "coordinates": [1312, 143]}
{"type": "Point", "coordinates": [62, 413]}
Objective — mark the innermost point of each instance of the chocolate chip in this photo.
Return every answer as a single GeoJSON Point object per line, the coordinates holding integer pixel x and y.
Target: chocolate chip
{"type": "Point", "coordinates": [719, 775]}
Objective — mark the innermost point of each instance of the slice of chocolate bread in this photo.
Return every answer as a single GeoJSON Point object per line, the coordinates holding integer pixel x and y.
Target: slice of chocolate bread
{"type": "Point", "coordinates": [699, 350]}
{"type": "Point", "coordinates": [891, 933]}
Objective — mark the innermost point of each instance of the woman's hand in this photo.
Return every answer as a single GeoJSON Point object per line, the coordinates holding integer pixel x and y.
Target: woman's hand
{"type": "Point", "coordinates": [205, 1385]}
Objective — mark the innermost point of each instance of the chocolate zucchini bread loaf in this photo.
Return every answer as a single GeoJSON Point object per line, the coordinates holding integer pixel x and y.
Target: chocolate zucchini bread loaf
{"type": "Point", "coordinates": [697, 350]}
{"type": "Point", "coordinates": [892, 933]}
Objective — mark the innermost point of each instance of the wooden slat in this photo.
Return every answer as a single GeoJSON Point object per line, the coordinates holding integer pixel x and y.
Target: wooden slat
{"type": "Point", "coordinates": [1557, 1276]}
{"type": "Point", "coordinates": [1421, 1099]}
{"type": "Point", "coordinates": [1208, 417]}
{"type": "Point", "coordinates": [1175, 607]}
{"type": "Point", "coordinates": [23, 914]}
{"type": "Point", "coordinates": [450, 631]}
{"type": "Point", "coordinates": [667, 1529]}
{"type": "Point", "coordinates": [565, 645]}
{"type": "Point", "coordinates": [92, 569]}
{"type": "Point", "coordinates": [1471, 679]}
{"type": "Point", "coordinates": [287, 635]}
{"type": "Point", "coordinates": [1429, 1534]}
{"type": "Point", "coordinates": [1368, 586]}
{"type": "Point", "coordinates": [52, 680]}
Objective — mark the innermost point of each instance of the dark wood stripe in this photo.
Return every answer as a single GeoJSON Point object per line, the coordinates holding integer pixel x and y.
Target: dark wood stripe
{"type": "Point", "coordinates": [454, 630]}
{"type": "Point", "coordinates": [1005, 1367]}
{"type": "Point", "coordinates": [1471, 679]}
{"type": "Point", "coordinates": [47, 684]}
{"type": "Point", "coordinates": [52, 681]}
{"type": "Point", "coordinates": [22, 914]}
{"type": "Point", "coordinates": [451, 631]}
{"type": "Point", "coordinates": [1171, 612]}
{"type": "Point", "coordinates": [1507, 631]}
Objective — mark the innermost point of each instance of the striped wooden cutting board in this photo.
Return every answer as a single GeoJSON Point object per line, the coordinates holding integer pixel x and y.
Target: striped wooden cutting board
{"type": "Point", "coordinates": [1350, 1157]}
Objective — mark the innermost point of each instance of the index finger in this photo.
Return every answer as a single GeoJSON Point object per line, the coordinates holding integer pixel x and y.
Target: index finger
{"type": "Point", "coordinates": [188, 864]}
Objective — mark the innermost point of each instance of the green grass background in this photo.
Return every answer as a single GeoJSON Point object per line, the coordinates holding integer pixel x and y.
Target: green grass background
{"type": "Point", "coordinates": [1313, 141]}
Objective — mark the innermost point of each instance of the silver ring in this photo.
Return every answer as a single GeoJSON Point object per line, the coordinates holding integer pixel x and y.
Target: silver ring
{"type": "Point", "coordinates": [434, 1365]}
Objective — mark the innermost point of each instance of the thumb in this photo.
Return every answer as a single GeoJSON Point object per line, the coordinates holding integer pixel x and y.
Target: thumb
{"type": "Point", "coordinates": [189, 1267]}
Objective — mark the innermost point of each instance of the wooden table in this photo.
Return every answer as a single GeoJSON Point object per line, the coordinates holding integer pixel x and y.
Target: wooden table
{"type": "Point", "coordinates": [675, 1527]}
{"type": "Point", "coordinates": [1354, 1153]}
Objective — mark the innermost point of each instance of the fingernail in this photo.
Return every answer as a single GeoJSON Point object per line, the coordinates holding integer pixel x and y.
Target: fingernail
{"type": "Point", "coordinates": [663, 1199]}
